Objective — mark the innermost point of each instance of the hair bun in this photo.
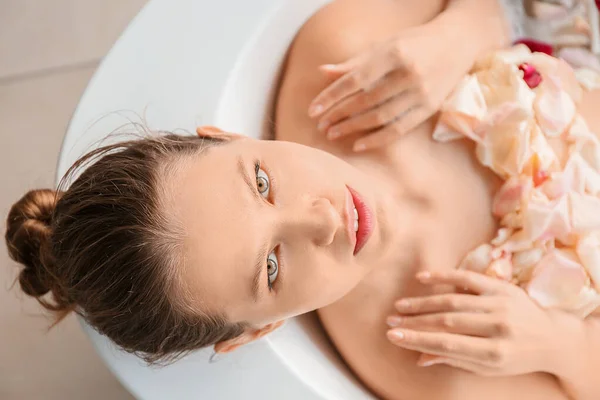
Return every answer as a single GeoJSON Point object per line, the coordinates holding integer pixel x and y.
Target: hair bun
{"type": "Point", "coordinates": [28, 238]}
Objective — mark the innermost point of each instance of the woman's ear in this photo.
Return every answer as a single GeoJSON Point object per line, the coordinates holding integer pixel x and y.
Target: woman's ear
{"type": "Point", "coordinates": [213, 131]}
{"type": "Point", "coordinates": [249, 335]}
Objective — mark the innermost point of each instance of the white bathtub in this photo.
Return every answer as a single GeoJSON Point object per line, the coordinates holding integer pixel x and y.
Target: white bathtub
{"type": "Point", "coordinates": [183, 63]}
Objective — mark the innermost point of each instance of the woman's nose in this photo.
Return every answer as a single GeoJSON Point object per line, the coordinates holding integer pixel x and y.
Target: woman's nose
{"type": "Point", "coordinates": [315, 219]}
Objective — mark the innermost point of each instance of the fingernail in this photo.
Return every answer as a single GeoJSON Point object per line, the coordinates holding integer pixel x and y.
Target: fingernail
{"type": "Point", "coordinates": [394, 321]}
{"type": "Point", "coordinates": [328, 67]}
{"type": "Point", "coordinates": [359, 147]}
{"type": "Point", "coordinates": [315, 110]}
{"type": "Point", "coordinates": [396, 334]}
{"type": "Point", "coordinates": [323, 125]}
{"type": "Point", "coordinates": [333, 133]}
{"type": "Point", "coordinates": [424, 275]}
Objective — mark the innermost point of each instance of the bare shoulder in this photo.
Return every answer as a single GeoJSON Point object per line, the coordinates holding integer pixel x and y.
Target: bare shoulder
{"type": "Point", "coordinates": [335, 33]}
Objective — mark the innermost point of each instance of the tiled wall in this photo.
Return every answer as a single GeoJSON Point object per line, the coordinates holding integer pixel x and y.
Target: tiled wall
{"type": "Point", "coordinates": [48, 51]}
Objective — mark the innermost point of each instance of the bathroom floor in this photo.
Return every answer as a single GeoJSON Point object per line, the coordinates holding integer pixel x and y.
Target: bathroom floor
{"type": "Point", "coordinates": [49, 49]}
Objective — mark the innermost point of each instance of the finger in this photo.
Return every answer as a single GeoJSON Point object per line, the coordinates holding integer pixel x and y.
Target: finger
{"type": "Point", "coordinates": [361, 77]}
{"type": "Point", "coordinates": [374, 118]}
{"type": "Point", "coordinates": [463, 323]}
{"type": "Point", "coordinates": [333, 71]}
{"type": "Point", "coordinates": [394, 130]}
{"type": "Point", "coordinates": [468, 348]}
{"type": "Point", "coordinates": [473, 281]}
{"type": "Point", "coordinates": [443, 303]}
{"type": "Point", "coordinates": [390, 86]}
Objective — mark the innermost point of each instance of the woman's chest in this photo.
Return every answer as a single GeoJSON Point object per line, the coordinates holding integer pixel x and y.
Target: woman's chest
{"type": "Point", "coordinates": [454, 195]}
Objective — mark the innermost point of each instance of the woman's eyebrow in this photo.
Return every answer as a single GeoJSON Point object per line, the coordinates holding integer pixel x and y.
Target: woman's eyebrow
{"type": "Point", "coordinates": [259, 263]}
{"type": "Point", "coordinates": [259, 266]}
{"type": "Point", "coordinates": [251, 183]}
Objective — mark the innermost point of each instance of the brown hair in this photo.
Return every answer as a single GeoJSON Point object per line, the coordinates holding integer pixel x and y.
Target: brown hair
{"type": "Point", "coordinates": [104, 249]}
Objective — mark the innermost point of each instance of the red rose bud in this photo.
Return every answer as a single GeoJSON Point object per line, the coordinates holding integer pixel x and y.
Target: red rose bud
{"type": "Point", "coordinates": [530, 75]}
{"type": "Point", "coordinates": [535, 45]}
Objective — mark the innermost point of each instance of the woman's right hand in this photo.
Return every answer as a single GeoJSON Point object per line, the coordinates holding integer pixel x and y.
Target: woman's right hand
{"type": "Point", "coordinates": [392, 88]}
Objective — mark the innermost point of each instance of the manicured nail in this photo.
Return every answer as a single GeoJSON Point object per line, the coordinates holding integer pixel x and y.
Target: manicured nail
{"type": "Point", "coordinates": [333, 133]}
{"type": "Point", "coordinates": [315, 110]}
{"type": "Point", "coordinates": [396, 334]}
{"type": "Point", "coordinates": [323, 125]}
{"type": "Point", "coordinates": [359, 147]}
{"type": "Point", "coordinates": [394, 321]}
{"type": "Point", "coordinates": [424, 275]}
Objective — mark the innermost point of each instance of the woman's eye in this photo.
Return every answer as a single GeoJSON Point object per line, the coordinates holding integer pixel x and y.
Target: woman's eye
{"type": "Point", "coordinates": [262, 183]}
{"type": "Point", "coordinates": [272, 268]}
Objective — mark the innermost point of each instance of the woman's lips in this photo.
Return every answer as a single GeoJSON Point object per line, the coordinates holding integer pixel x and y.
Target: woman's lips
{"type": "Point", "coordinates": [365, 220]}
{"type": "Point", "coordinates": [349, 214]}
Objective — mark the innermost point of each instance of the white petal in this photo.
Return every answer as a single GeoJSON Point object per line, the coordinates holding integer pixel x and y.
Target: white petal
{"type": "Point", "coordinates": [588, 250]}
{"type": "Point", "coordinates": [585, 212]}
{"type": "Point", "coordinates": [557, 280]}
{"type": "Point", "coordinates": [511, 195]}
{"type": "Point", "coordinates": [554, 108]}
{"type": "Point", "coordinates": [588, 78]}
{"type": "Point", "coordinates": [477, 260]}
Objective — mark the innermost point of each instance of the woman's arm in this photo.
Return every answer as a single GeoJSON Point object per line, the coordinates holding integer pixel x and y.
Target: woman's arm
{"type": "Point", "coordinates": [498, 18]}
{"type": "Point", "coordinates": [576, 362]}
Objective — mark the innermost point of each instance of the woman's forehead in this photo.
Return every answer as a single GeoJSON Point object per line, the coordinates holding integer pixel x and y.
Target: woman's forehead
{"type": "Point", "coordinates": [212, 203]}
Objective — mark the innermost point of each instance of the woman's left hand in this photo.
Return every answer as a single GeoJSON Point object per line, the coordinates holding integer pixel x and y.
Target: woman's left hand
{"type": "Point", "coordinates": [497, 331]}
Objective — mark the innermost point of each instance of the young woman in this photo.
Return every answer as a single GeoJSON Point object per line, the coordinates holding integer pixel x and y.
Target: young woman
{"type": "Point", "coordinates": [174, 243]}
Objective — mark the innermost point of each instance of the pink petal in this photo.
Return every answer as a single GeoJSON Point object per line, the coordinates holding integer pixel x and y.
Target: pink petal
{"type": "Point", "coordinates": [585, 212]}
{"type": "Point", "coordinates": [519, 241]}
{"type": "Point", "coordinates": [559, 71]}
{"type": "Point", "coordinates": [588, 78]}
{"type": "Point", "coordinates": [464, 110]}
{"type": "Point", "coordinates": [557, 280]}
{"type": "Point", "coordinates": [588, 250]}
{"type": "Point", "coordinates": [524, 260]}
{"type": "Point", "coordinates": [478, 259]}
{"type": "Point", "coordinates": [546, 158]}
{"type": "Point", "coordinates": [512, 220]}
{"type": "Point", "coordinates": [554, 109]}
{"type": "Point", "coordinates": [502, 236]}
{"type": "Point", "coordinates": [545, 219]}
{"type": "Point", "coordinates": [511, 195]}
{"type": "Point", "coordinates": [579, 131]}
{"type": "Point", "coordinates": [501, 268]}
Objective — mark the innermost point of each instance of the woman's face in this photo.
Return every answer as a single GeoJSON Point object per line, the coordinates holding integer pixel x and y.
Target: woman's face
{"type": "Point", "coordinates": [269, 229]}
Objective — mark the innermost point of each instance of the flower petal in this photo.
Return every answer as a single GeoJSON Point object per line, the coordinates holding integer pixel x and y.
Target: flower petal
{"type": "Point", "coordinates": [588, 78]}
{"type": "Point", "coordinates": [554, 108]}
{"type": "Point", "coordinates": [545, 219]}
{"type": "Point", "coordinates": [477, 260]}
{"type": "Point", "coordinates": [557, 280]}
{"type": "Point", "coordinates": [588, 250]}
{"type": "Point", "coordinates": [585, 213]}
{"type": "Point", "coordinates": [511, 195]}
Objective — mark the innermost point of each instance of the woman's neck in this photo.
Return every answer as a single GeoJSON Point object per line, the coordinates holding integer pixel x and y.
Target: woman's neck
{"type": "Point", "coordinates": [398, 208]}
